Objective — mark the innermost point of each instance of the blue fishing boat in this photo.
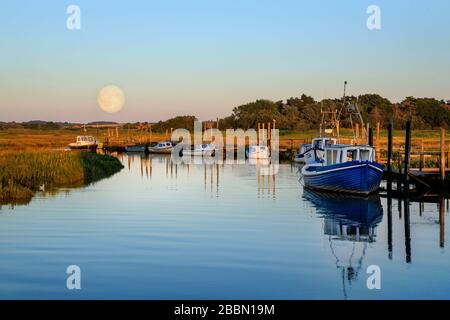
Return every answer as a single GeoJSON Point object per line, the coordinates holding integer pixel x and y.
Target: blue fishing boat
{"type": "Point", "coordinates": [345, 168]}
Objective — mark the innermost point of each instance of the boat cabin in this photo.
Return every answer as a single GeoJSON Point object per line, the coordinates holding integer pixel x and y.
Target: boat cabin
{"type": "Point", "coordinates": [345, 153]}
{"type": "Point", "coordinates": [167, 144]}
{"type": "Point", "coordinates": [258, 149]}
{"type": "Point", "coordinates": [322, 143]}
{"type": "Point", "coordinates": [85, 139]}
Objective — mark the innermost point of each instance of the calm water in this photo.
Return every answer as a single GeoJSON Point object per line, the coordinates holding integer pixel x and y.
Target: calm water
{"type": "Point", "coordinates": [160, 231]}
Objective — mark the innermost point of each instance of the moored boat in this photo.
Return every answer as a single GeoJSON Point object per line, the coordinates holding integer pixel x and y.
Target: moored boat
{"type": "Point", "coordinates": [258, 152]}
{"type": "Point", "coordinates": [135, 148]}
{"type": "Point", "coordinates": [162, 148]}
{"type": "Point", "coordinates": [206, 149]}
{"type": "Point", "coordinates": [84, 142]}
{"type": "Point", "coordinates": [345, 168]}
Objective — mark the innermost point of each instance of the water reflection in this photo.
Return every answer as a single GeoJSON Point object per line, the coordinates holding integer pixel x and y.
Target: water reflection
{"type": "Point", "coordinates": [264, 170]}
{"type": "Point", "coordinates": [215, 231]}
{"type": "Point", "coordinates": [350, 223]}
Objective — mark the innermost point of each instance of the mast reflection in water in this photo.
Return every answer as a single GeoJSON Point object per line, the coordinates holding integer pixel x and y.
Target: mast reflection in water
{"type": "Point", "coordinates": [350, 223]}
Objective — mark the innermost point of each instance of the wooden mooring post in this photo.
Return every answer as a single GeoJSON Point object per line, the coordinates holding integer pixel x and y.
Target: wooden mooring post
{"type": "Point", "coordinates": [258, 134]}
{"type": "Point", "coordinates": [442, 166]}
{"type": "Point", "coordinates": [407, 155]}
{"type": "Point", "coordinates": [378, 131]}
{"type": "Point", "coordinates": [389, 155]}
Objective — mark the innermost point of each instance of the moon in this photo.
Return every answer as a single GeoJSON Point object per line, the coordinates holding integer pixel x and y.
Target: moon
{"type": "Point", "coordinates": [111, 99]}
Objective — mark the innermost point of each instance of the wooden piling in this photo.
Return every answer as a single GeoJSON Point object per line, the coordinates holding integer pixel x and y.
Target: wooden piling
{"type": "Point", "coordinates": [389, 156]}
{"type": "Point", "coordinates": [407, 154]}
{"type": "Point", "coordinates": [117, 132]}
{"type": "Point", "coordinates": [367, 131]}
{"type": "Point", "coordinates": [370, 137]}
{"type": "Point", "coordinates": [263, 141]}
{"type": "Point", "coordinates": [442, 166]}
{"type": "Point", "coordinates": [378, 131]}
{"type": "Point", "coordinates": [259, 132]}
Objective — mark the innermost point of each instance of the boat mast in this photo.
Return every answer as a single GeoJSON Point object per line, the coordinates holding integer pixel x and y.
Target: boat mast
{"type": "Point", "coordinates": [351, 109]}
{"type": "Point", "coordinates": [331, 118]}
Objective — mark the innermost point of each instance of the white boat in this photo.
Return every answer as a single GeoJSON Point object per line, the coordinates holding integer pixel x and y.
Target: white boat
{"type": "Point", "coordinates": [162, 148]}
{"type": "Point", "coordinates": [310, 153]}
{"type": "Point", "coordinates": [206, 149]}
{"type": "Point", "coordinates": [84, 142]}
{"type": "Point", "coordinates": [258, 152]}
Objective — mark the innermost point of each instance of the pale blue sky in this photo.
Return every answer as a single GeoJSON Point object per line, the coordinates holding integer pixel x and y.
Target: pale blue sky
{"type": "Point", "coordinates": [204, 57]}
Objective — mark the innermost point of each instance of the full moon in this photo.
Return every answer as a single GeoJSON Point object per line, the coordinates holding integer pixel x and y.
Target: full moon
{"type": "Point", "coordinates": [111, 99]}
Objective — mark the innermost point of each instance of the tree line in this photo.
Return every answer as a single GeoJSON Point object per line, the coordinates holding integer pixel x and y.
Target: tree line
{"type": "Point", "coordinates": [302, 113]}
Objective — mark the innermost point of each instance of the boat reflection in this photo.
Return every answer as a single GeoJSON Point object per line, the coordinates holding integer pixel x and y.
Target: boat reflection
{"type": "Point", "coordinates": [348, 217]}
{"type": "Point", "coordinates": [350, 223]}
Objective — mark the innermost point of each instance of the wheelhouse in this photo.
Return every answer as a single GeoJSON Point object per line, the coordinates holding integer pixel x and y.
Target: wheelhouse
{"type": "Point", "coordinates": [343, 153]}
{"type": "Point", "coordinates": [84, 139]}
{"type": "Point", "coordinates": [322, 143]}
{"type": "Point", "coordinates": [164, 144]}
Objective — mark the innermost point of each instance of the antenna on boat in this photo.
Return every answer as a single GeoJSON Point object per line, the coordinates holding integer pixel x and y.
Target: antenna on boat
{"type": "Point", "coordinates": [345, 87]}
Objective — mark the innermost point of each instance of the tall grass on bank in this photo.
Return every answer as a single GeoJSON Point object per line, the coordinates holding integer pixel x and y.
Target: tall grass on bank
{"type": "Point", "coordinates": [25, 172]}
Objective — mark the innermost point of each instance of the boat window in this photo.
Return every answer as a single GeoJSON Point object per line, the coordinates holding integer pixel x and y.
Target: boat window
{"type": "Point", "coordinates": [352, 155]}
{"type": "Point", "coordinates": [329, 143]}
{"type": "Point", "coordinates": [365, 155]}
{"type": "Point", "coordinates": [317, 143]}
{"type": "Point", "coordinates": [332, 156]}
{"type": "Point", "coordinates": [263, 148]}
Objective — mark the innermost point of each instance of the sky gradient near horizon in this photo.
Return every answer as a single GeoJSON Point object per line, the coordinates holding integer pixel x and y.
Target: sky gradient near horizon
{"type": "Point", "coordinates": [204, 57]}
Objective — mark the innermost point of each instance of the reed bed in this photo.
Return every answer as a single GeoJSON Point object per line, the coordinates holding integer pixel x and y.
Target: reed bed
{"type": "Point", "coordinates": [23, 173]}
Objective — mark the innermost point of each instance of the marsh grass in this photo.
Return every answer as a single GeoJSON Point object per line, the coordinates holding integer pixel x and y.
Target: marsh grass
{"type": "Point", "coordinates": [23, 173]}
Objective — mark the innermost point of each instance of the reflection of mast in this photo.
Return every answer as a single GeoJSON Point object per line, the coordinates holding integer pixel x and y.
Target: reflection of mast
{"type": "Point", "coordinates": [217, 179]}
{"type": "Point", "coordinates": [350, 221]}
{"type": "Point", "coordinates": [205, 177]}
{"type": "Point", "coordinates": [211, 180]}
{"type": "Point", "coordinates": [151, 167]}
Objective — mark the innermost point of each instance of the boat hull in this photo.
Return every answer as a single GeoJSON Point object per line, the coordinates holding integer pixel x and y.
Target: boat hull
{"type": "Point", "coordinates": [299, 158]}
{"type": "Point", "coordinates": [197, 153]}
{"type": "Point", "coordinates": [355, 177]}
{"type": "Point", "coordinates": [160, 150]}
{"type": "Point", "coordinates": [83, 147]}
